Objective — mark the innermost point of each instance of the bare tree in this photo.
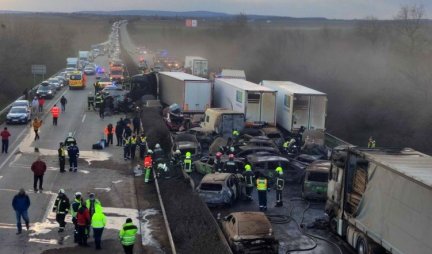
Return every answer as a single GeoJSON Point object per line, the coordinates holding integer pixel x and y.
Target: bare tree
{"type": "Point", "coordinates": [409, 23]}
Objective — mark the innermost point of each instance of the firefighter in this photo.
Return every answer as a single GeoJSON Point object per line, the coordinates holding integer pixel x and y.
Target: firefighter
{"type": "Point", "coordinates": [61, 208]}
{"type": "Point", "coordinates": [280, 183]}
{"type": "Point", "coordinates": [158, 153]}
{"type": "Point", "coordinates": [262, 188]}
{"type": "Point", "coordinates": [91, 101]}
{"type": "Point", "coordinates": [133, 144]}
{"type": "Point", "coordinates": [235, 134]}
{"type": "Point", "coordinates": [98, 100]}
{"type": "Point", "coordinates": [142, 143]}
{"type": "Point", "coordinates": [371, 142]}
{"type": "Point", "coordinates": [148, 164]}
{"type": "Point", "coordinates": [176, 159]}
{"type": "Point", "coordinates": [76, 204]}
{"type": "Point", "coordinates": [187, 163]}
{"type": "Point", "coordinates": [218, 162]}
{"type": "Point", "coordinates": [231, 166]}
{"type": "Point", "coordinates": [248, 176]}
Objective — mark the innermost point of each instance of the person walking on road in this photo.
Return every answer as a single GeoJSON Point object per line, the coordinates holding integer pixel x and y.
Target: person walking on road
{"type": "Point", "coordinates": [73, 153]}
{"type": "Point", "coordinates": [136, 122]}
{"type": "Point", "coordinates": [127, 236]}
{"type": "Point", "coordinates": [83, 222]}
{"type": "Point", "coordinates": [39, 168]}
{"type": "Point", "coordinates": [76, 204]}
{"type": "Point", "coordinates": [37, 123]}
{"type": "Point", "coordinates": [63, 102]}
{"type": "Point", "coordinates": [98, 222]}
{"type": "Point", "coordinates": [5, 134]}
{"type": "Point", "coordinates": [35, 105]}
{"type": "Point", "coordinates": [109, 132]}
{"type": "Point", "coordinates": [119, 132]}
{"type": "Point", "coordinates": [61, 208]}
{"type": "Point", "coordinates": [41, 101]}
{"type": "Point", "coordinates": [262, 188]}
{"type": "Point", "coordinates": [21, 204]}
{"type": "Point", "coordinates": [55, 111]}
{"type": "Point", "coordinates": [248, 176]}
{"type": "Point", "coordinates": [62, 157]}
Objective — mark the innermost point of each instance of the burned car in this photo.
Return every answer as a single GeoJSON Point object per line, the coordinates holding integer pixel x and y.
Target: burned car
{"type": "Point", "coordinates": [316, 180]}
{"type": "Point", "coordinates": [206, 164]}
{"type": "Point", "coordinates": [293, 171]}
{"type": "Point", "coordinates": [220, 189]}
{"type": "Point", "coordinates": [256, 141]}
{"type": "Point", "coordinates": [186, 142]}
{"type": "Point", "coordinates": [249, 232]}
{"type": "Point", "coordinates": [244, 151]}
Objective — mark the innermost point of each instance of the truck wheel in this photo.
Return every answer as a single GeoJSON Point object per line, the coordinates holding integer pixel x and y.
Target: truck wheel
{"type": "Point", "coordinates": [362, 246]}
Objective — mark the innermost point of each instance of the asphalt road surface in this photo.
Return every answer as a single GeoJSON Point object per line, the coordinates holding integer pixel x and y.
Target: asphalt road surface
{"type": "Point", "coordinates": [103, 172]}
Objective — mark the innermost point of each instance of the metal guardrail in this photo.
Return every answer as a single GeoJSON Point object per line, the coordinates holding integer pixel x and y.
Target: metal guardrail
{"type": "Point", "coordinates": [333, 141]}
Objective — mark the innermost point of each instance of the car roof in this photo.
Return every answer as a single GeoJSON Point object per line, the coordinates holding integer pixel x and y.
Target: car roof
{"type": "Point", "coordinates": [268, 130]}
{"type": "Point", "coordinates": [19, 107]}
{"type": "Point", "coordinates": [215, 177]}
{"type": "Point", "coordinates": [319, 166]}
{"type": "Point", "coordinates": [22, 101]}
{"type": "Point", "coordinates": [261, 158]}
{"type": "Point", "coordinates": [261, 148]}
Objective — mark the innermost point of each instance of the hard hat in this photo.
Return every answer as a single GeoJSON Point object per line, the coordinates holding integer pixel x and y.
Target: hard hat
{"type": "Point", "coordinates": [149, 151]}
{"type": "Point", "coordinates": [177, 151]}
{"type": "Point", "coordinates": [279, 170]}
{"type": "Point", "coordinates": [218, 154]}
{"type": "Point", "coordinates": [157, 146]}
{"type": "Point", "coordinates": [248, 167]}
{"type": "Point", "coordinates": [78, 194]}
{"type": "Point", "coordinates": [188, 154]}
{"type": "Point", "coordinates": [61, 191]}
{"type": "Point", "coordinates": [231, 156]}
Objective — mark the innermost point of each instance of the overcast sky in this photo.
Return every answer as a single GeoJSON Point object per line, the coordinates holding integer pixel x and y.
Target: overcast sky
{"type": "Point", "coordinates": [345, 9]}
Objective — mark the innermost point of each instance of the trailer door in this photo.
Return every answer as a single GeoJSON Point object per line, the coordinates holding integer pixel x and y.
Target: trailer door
{"type": "Point", "coordinates": [200, 68]}
{"type": "Point", "coordinates": [268, 108]}
{"type": "Point", "coordinates": [197, 96]}
{"type": "Point", "coordinates": [318, 111]}
{"type": "Point", "coordinates": [301, 111]}
{"type": "Point", "coordinates": [253, 107]}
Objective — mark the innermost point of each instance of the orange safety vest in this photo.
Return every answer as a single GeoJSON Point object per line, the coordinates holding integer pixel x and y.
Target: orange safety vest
{"type": "Point", "coordinates": [148, 161]}
{"type": "Point", "coordinates": [107, 132]}
{"type": "Point", "coordinates": [55, 111]}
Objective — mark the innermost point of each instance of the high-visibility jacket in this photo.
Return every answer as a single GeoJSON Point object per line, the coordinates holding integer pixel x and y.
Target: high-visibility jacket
{"type": "Point", "coordinates": [93, 206]}
{"type": "Point", "coordinates": [55, 111]}
{"type": "Point", "coordinates": [261, 184]}
{"type": "Point", "coordinates": [280, 182]}
{"type": "Point", "coordinates": [235, 133]}
{"type": "Point", "coordinates": [148, 161]}
{"type": "Point", "coordinates": [98, 219]}
{"type": "Point", "coordinates": [74, 207]}
{"type": "Point", "coordinates": [131, 141]}
{"type": "Point", "coordinates": [62, 152]}
{"type": "Point", "coordinates": [372, 144]}
{"type": "Point", "coordinates": [127, 234]}
{"type": "Point", "coordinates": [143, 140]}
{"type": "Point", "coordinates": [249, 176]}
{"type": "Point", "coordinates": [188, 164]}
{"type": "Point", "coordinates": [107, 131]}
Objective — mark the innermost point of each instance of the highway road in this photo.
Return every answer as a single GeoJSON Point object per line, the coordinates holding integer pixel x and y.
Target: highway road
{"type": "Point", "coordinates": [102, 172]}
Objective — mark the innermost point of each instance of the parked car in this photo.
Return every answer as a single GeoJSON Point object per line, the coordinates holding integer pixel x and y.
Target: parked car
{"type": "Point", "coordinates": [186, 142]}
{"type": "Point", "coordinates": [18, 114]}
{"type": "Point", "coordinates": [249, 232]}
{"type": "Point", "coordinates": [45, 90]}
{"type": "Point", "coordinates": [220, 188]}
{"type": "Point", "coordinates": [316, 180]}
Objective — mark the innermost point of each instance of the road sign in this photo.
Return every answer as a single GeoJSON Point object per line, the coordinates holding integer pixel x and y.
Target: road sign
{"type": "Point", "coordinates": [191, 23]}
{"type": "Point", "coordinates": [38, 69]}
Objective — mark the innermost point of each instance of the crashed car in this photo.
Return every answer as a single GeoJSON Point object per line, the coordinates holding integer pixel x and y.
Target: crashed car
{"type": "Point", "coordinates": [274, 134]}
{"type": "Point", "coordinates": [206, 164]}
{"type": "Point", "coordinates": [186, 143]}
{"type": "Point", "coordinates": [244, 151]}
{"type": "Point", "coordinates": [256, 141]}
{"type": "Point", "coordinates": [249, 232]}
{"type": "Point", "coordinates": [220, 189]}
{"type": "Point", "coordinates": [315, 180]}
{"type": "Point", "coordinates": [293, 171]}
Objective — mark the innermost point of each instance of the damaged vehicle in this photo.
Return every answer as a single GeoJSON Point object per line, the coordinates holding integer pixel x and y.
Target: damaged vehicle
{"type": "Point", "coordinates": [249, 232]}
{"type": "Point", "coordinates": [220, 189]}
{"type": "Point", "coordinates": [316, 180]}
{"type": "Point", "coordinates": [186, 142]}
{"type": "Point", "coordinates": [206, 164]}
{"type": "Point", "coordinates": [293, 171]}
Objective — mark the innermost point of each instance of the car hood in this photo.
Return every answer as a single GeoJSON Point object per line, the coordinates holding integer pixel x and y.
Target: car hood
{"type": "Point", "coordinates": [16, 114]}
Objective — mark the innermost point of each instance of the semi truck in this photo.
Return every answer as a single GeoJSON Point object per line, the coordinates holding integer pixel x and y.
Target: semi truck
{"type": "Point", "coordinates": [380, 200]}
{"type": "Point", "coordinates": [196, 65]}
{"type": "Point", "coordinates": [193, 94]}
{"type": "Point", "coordinates": [258, 103]}
{"type": "Point", "coordinates": [298, 106]}
{"type": "Point", "coordinates": [220, 122]}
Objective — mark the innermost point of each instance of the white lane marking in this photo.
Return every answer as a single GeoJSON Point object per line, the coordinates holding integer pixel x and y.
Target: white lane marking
{"type": "Point", "coordinates": [107, 189]}
{"type": "Point", "coordinates": [116, 182]}
{"type": "Point", "coordinates": [1, 177]}
{"type": "Point", "coordinates": [84, 117]}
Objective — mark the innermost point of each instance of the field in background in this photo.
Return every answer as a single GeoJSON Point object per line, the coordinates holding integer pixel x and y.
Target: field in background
{"type": "Point", "coordinates": [42, 39]}
{"type": "Point", "coordinates": [378, 77]}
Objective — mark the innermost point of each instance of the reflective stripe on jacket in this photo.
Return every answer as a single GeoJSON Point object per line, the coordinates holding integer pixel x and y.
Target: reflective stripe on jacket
{"type": "Point", "coordinates": [261, 184]}
{"type": "Point", "coordinates": [127, 234]}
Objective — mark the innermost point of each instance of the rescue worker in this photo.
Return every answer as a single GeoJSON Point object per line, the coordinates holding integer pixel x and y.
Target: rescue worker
{"type": "Point", "coordinates": [231, 166]}
{"type": "Point", "coordinates": [98, 100]}
{"type": "Point", "coordinates": [109, 132]}
{"type": "Point", "coordinates": [62, 157]}
{"type": "Point", "coordinates": [61, 208]}
{"type": "Point", "coordinates": [262, 187]}
{"type": "Point", "coordinates": [187, 163]}
{"type": "Point", "coordinates": [98, 222]}
{"type": "Point", "coordinates": [127, 148]}
{"type": "Point", "coordinates": [248, 176]}
{"type": "Point", "coordinates": [119, 132]}
{"type": "Point", "coordinates": [73, 153]}
{"type": "Point", "coordinates": [133, 144]}
{"type": "Point", "coordinates": [218, 163]}
{"type": "Point", "coordinates": [91, 203]}
{"type": "Point", "coordinates": [83, 222]}
{"type": "Point", "coordinates": [176, 158]}
{"type": "Point", "coordinates": [127, 132]}
{"type": "Point", "coordinates": [36, 125]}
{"type": "Point", "coordinates": [55, 112]}
{"type": "Point", "coordinates": [235, 134]}
{"type": "Point", "coordinates": [158, 153]}
{"type": "Point", "coordinates": [127, 236]}
{"type": "Point", "coordinates": [91, 101]}
{"type": "Point", "coordinates": [148, 164]}
{"type": "Point", "coordinates": [371, 142]}
{"type": "Point", "coordinates": [280, 183]}
{"type": "Point", "coordinates": [142, 142]}
{"type": "Point", "coordinates": [136, 122]}
{"type": "Point", "coordinates": [70, 140]}
{"type": "Point", "coordinates": [102, 106]}
{"type": "Point", "coordinates": [76, 204]}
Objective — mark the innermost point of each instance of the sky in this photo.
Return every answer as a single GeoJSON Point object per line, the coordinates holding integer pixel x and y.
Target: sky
{"type": "Point", "coordinates": [340, 9]}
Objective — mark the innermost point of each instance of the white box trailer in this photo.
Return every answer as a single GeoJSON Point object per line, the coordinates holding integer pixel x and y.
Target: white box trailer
{"type": "Point", "coordinates": [230, 73]}
{"type": "Point", "coordinates": [298, 106]}
{"type": "Point", "coordinates": [197, 65]}
{"type": "Point", "coordinates": [381, 199]}
{"type": "Point", "coordinates": [258, 103]}
{"type": "Point", "coordinates": [193, 94]}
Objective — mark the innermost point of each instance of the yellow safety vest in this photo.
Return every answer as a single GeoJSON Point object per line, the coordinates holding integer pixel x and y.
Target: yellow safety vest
{"type": "Point", "coordinates": [98, 220]}
{"type": "Point", "coordinates": [261, 184]}
{"type": "Point", "coordinates": [133, 140]}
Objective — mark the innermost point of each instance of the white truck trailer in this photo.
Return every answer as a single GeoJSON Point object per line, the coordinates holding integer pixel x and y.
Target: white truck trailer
{"type": "Point", "coordinates": [193, 94]}
{"type": "Point", "coordinates": [197, 65]}
{"type": "Point", "coordinates": [71, 62]}
{"type": "Point", "coordinates": [380, 200]}
{"type": "Point", "coordinates": [298, 106]}
{"type": "Point", "coordinates": [258, 103]}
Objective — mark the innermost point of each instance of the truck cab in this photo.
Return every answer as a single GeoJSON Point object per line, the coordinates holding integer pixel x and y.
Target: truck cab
{"type": "Point", "coordinates": [222, 121]}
